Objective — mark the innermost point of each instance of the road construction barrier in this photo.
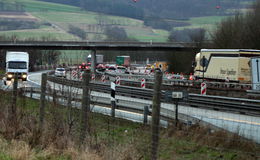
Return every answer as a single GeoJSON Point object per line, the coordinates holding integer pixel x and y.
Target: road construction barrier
{"type": "Point", "coordinates": [93, 77]}
{"type": "Point", "coordinates": [74, 73]}
{"type": "Point", "coordinates": [143, 83]}
{"type": "Point", "coordinates": [103, 78]}
{"type": "Point", "coordinates": [203, 88]}
{"type": "Point", "coordinates": [117, 80]}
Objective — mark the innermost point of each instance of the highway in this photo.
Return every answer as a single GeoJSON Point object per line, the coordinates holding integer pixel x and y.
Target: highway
{"type": "Point", "coordinates": [245, 125]}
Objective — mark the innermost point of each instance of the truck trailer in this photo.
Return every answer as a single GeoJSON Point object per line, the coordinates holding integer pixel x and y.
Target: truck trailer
{"type": "Point", "coordinates": [123, 61]}
{"type": "Point", "coordinates": [17, 63]}
{"type": "Point", "coordinates": [224, 64]}
{"type": "Point", "coordinates": [99, 59]}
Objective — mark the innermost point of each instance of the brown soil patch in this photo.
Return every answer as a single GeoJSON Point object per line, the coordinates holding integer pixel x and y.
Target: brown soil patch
{"type": "Point", "coordinates": [22, 16]}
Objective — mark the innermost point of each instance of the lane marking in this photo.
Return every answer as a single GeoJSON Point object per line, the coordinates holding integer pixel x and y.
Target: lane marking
{"type": "Point", "coordinates": [240, 121]}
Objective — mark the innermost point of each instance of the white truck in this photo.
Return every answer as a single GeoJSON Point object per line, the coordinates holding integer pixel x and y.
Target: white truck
{"type": "Point", "coordinates": [225, 64]}
{"type": "Point", "coordinates": [17, 63]}
{"type": "Point", "coordinates": [99, 59]}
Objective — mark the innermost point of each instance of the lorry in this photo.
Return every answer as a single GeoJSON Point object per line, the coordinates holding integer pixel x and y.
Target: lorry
{"type": "Point", "coordinates": [123, 61]}
{"type": "Point", "coordinates": [99, 59]}
{"type": "Point", "coordinates": [224, 64]}
{"type": "Point", "coordinates": [17, 63]}
{"type": "Point", "coordinates": [163, 66]}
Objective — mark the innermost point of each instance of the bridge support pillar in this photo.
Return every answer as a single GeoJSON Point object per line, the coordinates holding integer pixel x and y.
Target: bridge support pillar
{"type": "Point", "coordinates": [93, 61]}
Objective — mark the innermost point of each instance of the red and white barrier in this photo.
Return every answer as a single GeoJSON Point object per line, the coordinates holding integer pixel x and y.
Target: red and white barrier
{"type": "Point", "coordinates": [93, 77]}
{"type": "Point", "coordinates": [203, 89]}
{"type": "Point", "coordinates": [118, 80]}
{"type": "Point", "coordinates": [103, 78]}
{"type": "Point", "coordinates": [181, 77]}
{"type": "Point", "coordinates": [81, 75]}
{"type": "Point", "coordinates": [74, 73]}
{"type": "Point", "coordinates": [143, 83]}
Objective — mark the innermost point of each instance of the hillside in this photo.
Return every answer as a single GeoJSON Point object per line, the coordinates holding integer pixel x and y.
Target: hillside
{"type": "Point", "coordinates": [67, 22]}
{"type": "Point", "coordinates": [54, 20]}
{"type": "Point", "coordinates": [171, 9]}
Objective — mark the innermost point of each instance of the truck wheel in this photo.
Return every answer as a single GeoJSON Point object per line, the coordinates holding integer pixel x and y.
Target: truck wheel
{"type": "Point", "coordinates": [24, 79]}
{"type": "Point", "coordinates": [5, 83]}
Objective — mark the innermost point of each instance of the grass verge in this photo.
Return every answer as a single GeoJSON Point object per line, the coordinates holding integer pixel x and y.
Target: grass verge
{"type": "Point", "coordinates": [108, 138]}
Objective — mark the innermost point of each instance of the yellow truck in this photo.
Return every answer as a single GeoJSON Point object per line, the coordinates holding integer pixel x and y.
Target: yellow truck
{"type": "Point", "coordinates": [224, 64]}
{"type": "Point", "coordinates": [163, 66]}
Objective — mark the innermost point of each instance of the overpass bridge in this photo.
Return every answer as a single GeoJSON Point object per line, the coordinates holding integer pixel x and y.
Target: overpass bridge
{"type": "Point", "coordinates": [95, 46]}
{"type": "Point", "coordinates": [88, 45]}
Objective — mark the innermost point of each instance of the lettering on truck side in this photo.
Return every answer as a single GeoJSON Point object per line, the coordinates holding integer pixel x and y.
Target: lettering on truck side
{"type": "Point", "coordinates": [227, 71]}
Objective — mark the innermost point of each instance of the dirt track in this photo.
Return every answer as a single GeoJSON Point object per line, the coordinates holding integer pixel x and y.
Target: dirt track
{"type": "Point", "coordinates": [24, 16]}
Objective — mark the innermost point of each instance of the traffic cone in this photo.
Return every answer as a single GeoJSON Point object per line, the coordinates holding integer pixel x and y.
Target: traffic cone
{"type": "Point", "coordinates": [191, 77]}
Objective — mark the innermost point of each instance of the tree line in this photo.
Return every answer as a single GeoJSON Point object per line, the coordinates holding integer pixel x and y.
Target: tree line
{"type": "Point", "coordinates": [240, 31]}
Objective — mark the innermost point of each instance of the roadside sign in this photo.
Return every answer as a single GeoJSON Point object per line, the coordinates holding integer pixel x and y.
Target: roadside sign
{"type": "Point", "coordinates": [170, 96]}
{"type": "Point", "coordinates": [177, 95]}
{"type": "Point", "coordinates": [255, 67]}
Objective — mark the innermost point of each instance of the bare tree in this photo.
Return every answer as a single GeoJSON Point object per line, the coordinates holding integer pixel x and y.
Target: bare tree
{"type": "Point", "coordinates": [240, 31]}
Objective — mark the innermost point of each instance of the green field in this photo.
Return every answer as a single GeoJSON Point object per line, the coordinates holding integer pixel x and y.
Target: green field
{"type": "Point", "coordinates": [208, 22]}
{"type": "Point", "coordinates": [63, 16]}
{"type": "Point", "coordinates": [39, 6]}
{"type": "Point", "coordinates": [39, 33]}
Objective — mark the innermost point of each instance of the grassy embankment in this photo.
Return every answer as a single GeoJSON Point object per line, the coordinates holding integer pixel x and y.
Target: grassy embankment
{"type": "Point", "coordinates": [108, 139]}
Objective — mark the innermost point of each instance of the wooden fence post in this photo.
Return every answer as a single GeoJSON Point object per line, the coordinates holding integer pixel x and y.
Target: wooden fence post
{"type": "Point", "coordinates": [12, 112]}
{"type": "Point", "coordinates": [31, 92]}
{"type": "Point", "coordinates": [42, 99]}
{"type": "Point", "coordinates": [85, 106]}
{"type": "Point", "coordinates": [156, 114]}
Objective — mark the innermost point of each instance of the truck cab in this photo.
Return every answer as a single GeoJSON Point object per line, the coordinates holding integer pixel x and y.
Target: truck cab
{"type": "Point", "coordinates": [17, 63]}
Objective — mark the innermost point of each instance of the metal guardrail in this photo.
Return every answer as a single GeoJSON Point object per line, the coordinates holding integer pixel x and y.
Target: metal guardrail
{"type": "Point", "coordinates": [245, 106]}
{"type": "Point", "coordinates": [122, 103]}
{"type": "Point", "coordinates": [135, 79]}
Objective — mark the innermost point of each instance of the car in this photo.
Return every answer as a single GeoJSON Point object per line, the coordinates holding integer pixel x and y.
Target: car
{"type": "Point", "coordinates": [60, 72]}
{"type": "Point", "coordinates": [84, 66]}
{"type": "Point", "coordinates": [101, 67]}
{"type": "Point", "coordinates": [148, 67]}
{"type": "Point", "coordinates": [121, 69]}
{"type": "Point", "coordinates": [111, 68]}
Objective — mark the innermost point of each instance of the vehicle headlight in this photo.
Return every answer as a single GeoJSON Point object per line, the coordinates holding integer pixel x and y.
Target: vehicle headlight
{"type": "Point", "coordinates": [9, 75]}
{"type": "Point", "coordinates": [24, 76]}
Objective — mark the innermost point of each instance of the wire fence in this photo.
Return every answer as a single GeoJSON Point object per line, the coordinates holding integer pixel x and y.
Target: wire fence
{"type": "Point", "coordinates": [199, 133]}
